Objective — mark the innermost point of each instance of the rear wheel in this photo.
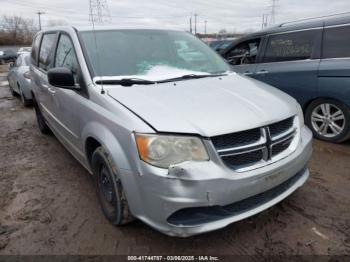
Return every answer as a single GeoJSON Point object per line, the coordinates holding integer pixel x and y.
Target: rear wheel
{"type": "Point", "coordinates": [26, 102]}
{"type": "Point", "coordinates": [13, 93]}
{"type": "Point", "coordinates": [329, 120]}
{"type": "Point", "coordinates": [110, 191]}
{"type": "Point", "coordinates": [43, 127]}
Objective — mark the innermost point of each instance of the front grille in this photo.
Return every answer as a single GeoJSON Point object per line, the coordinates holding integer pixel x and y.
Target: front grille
{"type": "Point", "coordinates": [281, 127]}
{"type": "Point", "coordinates": [239, 160]}
{"type": "Point", "coordinates": [236, 139]}
{"type": "Point", "coordinates": [250, 149]}
{"type": "Point", "coordinates": [280, 147]}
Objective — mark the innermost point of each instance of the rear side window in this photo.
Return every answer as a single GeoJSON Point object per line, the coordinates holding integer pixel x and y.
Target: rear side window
{"type": "Point", "coordinates": [46, 49]}
{"type": "Point", "coordinates": [291, 46]}
{"type": "Point", "coordinates": [35, 49]}
{"type": "Point", "coordinates": [336, 42]}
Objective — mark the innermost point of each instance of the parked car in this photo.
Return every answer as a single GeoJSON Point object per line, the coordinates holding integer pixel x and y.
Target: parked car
{"type": "Point", "coordinates": [309, 60]}
{"type": "Point", "coordinates": [185, 147]}
{"type": "Point", "coordinates": [24, 50]}
{"type": "Point", "coordinates": [219, 45]}
{"type": "Point", "coordinates": [7, 56]}
{"type": "Point", "coordinates": [19, 78]}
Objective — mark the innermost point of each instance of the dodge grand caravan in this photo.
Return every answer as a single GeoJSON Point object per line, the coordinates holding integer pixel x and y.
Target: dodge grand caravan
{"type": "Point", "coordinates": [309, 60]}
{"type": "Point", "coordinates": [183, 144]}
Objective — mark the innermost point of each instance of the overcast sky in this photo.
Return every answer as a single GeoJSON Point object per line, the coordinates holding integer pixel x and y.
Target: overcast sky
{"type": "Point", "coordinates": [232, 15]}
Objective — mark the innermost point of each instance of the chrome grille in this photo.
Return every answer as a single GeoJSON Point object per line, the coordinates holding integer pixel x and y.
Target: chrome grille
{"type": "Point", "coordinates": [237, 139]}
{"type": "Point", "coordinates": [253, 148]}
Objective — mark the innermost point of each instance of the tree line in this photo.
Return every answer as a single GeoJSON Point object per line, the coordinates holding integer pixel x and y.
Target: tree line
{"type": "Point", "coordinates": [16, 30]}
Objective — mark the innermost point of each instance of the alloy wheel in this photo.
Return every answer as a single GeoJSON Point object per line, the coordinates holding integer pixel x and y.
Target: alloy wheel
{"type": "Point", "coordinates": [328, 120]}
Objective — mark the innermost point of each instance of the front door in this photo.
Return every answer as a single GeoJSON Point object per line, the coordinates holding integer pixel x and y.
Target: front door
{"type": "Point", "coordinates": [291, 62]}
{"type": "Point", "coordinates": [243, 56]}
{"type": "Point", "coordinates": [66, 102]}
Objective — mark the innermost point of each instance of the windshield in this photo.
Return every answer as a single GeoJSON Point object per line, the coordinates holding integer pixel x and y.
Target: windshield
{"type": "Point", "coordinates": [139, 52]}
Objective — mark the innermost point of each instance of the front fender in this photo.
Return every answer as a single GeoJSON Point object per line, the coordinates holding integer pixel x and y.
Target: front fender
{"type": "Point", "coordinates": [122, 150]}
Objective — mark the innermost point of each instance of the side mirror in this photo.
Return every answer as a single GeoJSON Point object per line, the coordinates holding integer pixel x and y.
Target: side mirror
{"type": "Point", "coordinates": [61, 77]}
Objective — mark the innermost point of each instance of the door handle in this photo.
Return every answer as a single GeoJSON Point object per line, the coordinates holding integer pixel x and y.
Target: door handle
{"type": "Point", "coordinates": [248, 73]}
{"type": "Point", "coordinates": [262, 72]}
{"type": "Point", "coordinates": [52, 91]}
{"type": "Point", "coordinates": [45, 85]}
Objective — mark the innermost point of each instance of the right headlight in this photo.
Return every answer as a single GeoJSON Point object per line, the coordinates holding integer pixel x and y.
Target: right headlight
{"type": "Point", "coordinates": [166, 150]}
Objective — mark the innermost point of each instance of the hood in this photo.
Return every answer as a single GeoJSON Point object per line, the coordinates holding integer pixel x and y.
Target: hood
{"type": "Point", "coordinates": [207, 106]}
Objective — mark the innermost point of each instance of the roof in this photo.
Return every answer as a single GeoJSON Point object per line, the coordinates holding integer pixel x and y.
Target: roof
{"type": "Point", "coordinates": [317, 22]}
{"type": "Point", "coordinates": [102, 28]}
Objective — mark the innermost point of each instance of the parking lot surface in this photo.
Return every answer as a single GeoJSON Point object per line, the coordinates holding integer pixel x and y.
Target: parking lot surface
{"type": "Point", "coordinates": [48, 204]}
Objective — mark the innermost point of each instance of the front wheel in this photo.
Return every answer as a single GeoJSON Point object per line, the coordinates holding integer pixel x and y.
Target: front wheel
{"type": "Point", "coordinates": [329, 120]}
{"type": "Point", "coordinates": [109, 189]}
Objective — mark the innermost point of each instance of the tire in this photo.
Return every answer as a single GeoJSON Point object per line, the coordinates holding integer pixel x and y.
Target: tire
{"type": "Point", "coordinates": [43, 127]}
{"type": "Point", "coordinates": [13, 93]}
{"type": "Point", "coordinates": [26, 102]}
{"type": "Point", "coordinates": [109, 189]}
{"type": "Point", "coordinates": [329, 120]}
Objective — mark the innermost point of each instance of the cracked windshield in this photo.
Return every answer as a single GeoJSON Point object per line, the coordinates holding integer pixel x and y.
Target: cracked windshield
{"type": "Point", "coordinates": [151, 54]}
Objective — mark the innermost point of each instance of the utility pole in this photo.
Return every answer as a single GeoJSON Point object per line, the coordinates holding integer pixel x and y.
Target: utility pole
{"type": "Point", "coordinates": [264, 21]}
{"type": "Point", "coordinates": [205, 27]}
{"type": "Point", "coordinates": [191, 24]}
{"type": "Point", "coordinates": [195, 24]}
{"type": "Point", "coordinates": [39, 13]}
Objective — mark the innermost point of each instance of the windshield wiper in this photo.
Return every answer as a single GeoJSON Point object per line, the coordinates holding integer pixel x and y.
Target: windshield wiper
{"type": "Point", "coordinates": [190, 76]}
{"type": "Point", "coordinates": [125, 82]}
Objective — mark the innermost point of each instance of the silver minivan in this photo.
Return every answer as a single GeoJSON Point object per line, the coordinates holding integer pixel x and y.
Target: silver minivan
{"type": "Point", "coordinates": [171, 136]}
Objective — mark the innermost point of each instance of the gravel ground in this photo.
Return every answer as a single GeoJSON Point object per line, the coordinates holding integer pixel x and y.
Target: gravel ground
{"type": "Point", "coordinates": [48, 205]}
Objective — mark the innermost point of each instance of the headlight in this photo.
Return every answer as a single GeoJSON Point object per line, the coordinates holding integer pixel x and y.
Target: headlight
{"type": "Point", "coordinates": [166, 150]}
{"type": "Point", "coordinates": [300, 115]}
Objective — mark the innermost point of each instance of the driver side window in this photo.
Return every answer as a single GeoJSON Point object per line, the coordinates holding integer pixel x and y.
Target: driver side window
{"type": "Point", "coordinates": [244, 53]}
{"type": "Point", "coordinates": [65, 55]}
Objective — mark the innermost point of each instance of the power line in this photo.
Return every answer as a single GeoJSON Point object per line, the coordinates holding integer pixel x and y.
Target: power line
{"type": "Point", "coordinates": [99, 12]}
{"type": "Point", "coordinates": [273, 12]}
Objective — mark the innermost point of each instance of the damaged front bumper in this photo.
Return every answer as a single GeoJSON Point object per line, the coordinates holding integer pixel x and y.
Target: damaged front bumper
{"type": "Point", "coordinates": [197, 197]}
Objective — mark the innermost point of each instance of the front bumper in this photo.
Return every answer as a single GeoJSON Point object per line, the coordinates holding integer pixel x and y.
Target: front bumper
{"type": "Point", "coordinates": [172, 202]}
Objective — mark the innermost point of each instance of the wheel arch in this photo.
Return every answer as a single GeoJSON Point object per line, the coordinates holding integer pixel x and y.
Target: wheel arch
{"type": "Point", "coordinates": [95, 135]}
{"type": "Point", "coordinates": [308, 103]}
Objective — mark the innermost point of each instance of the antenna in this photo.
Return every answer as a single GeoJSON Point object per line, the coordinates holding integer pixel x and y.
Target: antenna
{"type": "Point", "coordinates": [98, 14]}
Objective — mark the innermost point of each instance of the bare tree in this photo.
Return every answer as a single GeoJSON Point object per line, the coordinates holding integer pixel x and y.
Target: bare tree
{"type": "Point", "coordinates": [16, 30]}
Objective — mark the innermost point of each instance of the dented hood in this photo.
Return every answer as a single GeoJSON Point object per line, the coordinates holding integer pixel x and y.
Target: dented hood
{"type": "Point", "coordinates": [208, 106]}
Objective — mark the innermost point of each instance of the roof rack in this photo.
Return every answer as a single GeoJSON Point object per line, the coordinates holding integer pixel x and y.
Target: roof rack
{"type": "Point", "coordinates": [313, 18]}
